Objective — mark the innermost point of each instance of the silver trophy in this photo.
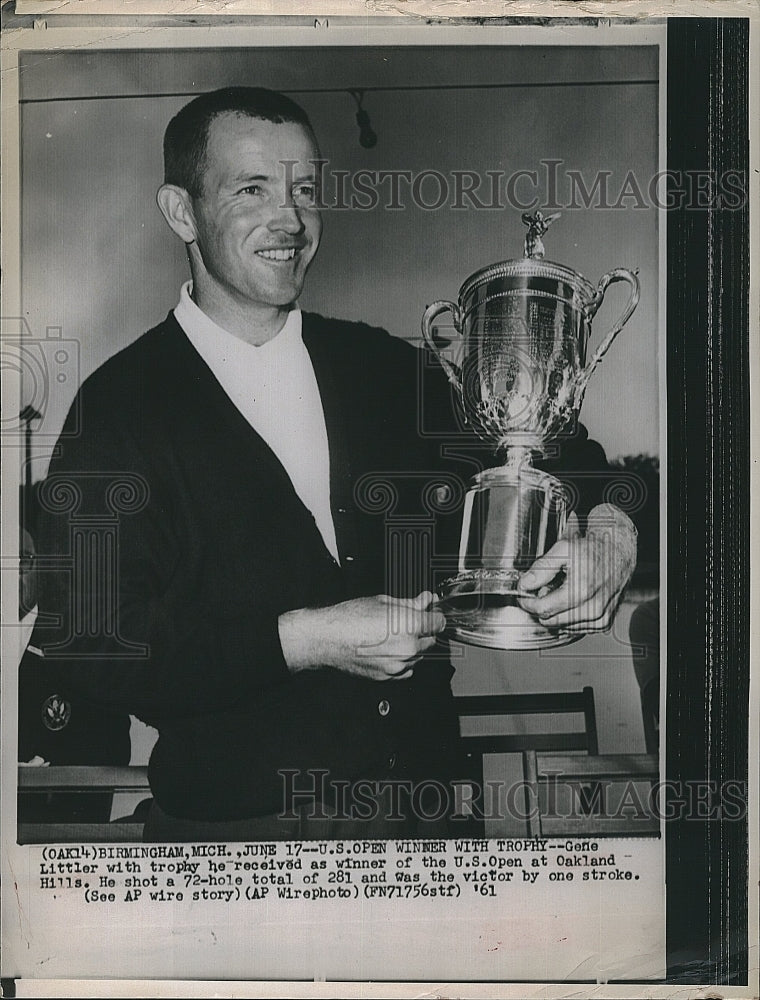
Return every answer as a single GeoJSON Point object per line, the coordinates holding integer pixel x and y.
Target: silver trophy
{"type": "Point", "coordinates": [520, 370]}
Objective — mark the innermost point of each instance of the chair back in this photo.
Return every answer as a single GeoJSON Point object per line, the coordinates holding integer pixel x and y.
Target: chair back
{"type": "Point", "coordinates": [608, 795]}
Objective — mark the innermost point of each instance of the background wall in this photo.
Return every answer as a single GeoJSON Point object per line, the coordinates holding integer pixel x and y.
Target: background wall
{"type": "Point", "coordinates": [100, 263]}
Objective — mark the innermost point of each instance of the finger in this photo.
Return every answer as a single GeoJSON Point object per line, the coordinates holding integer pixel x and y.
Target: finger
{"type": "Point", "coordinates": [572, 527]}
{"type": "Point", "coordinates": [421, 602]}
{"type": "Point", "coordinates": [600, 628]}
{"type": "Point", "coordinates": [406, 652]}
{"type": "Point", "coordinates": [413, 620]}
{"type": "Point", "coordinates": [596, 610]}
{"type": "Point", "coordinates": [585, 616]}
{"type": "Point", "coordinates": [585, 628]}
{"type": "Point", "coordinates": [404, 616]}
{"type": "Point", "coordinates": [404, 663]}
{"type": "Point", "coordinates": [405, 675]}
{"type": "Point", "coordinates": [568, 598]}
{"type": "Point", "coordinates": [545, 569]}
{"type": "Point", "coordinates": [583, 621]}
{"type": "Point", "coordinates": [426, 642]}
{"type": "Point", "coordinates": [431, 623]}
{"type": "Point", "coordinates": [593, 615]}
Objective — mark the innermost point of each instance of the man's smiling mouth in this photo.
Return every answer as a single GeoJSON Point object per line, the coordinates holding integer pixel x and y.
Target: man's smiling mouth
{"type": "Point", "coordinates": [288, 254]}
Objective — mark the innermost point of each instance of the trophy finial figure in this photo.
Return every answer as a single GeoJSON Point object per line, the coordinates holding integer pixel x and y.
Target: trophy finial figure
{"type": "Point", "coordinates": [537, 225]}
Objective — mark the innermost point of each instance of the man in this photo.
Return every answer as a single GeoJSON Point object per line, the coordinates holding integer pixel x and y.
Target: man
{"type": "Point", "coordinates": [252, 581]}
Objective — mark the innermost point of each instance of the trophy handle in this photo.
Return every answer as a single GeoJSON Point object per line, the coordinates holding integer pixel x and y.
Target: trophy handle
{"type": "Point", "coordinates": [452, 371]}
{"type": "Point", "coordinates": [619, 274]}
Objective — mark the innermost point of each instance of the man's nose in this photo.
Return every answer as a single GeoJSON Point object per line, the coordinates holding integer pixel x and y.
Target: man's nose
{"type": "Point", "coordinates": [287, 217]}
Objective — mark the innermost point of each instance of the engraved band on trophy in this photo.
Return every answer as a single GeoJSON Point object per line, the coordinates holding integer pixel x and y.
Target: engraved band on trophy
{"type": "Point", "coordinates": [523, 331]}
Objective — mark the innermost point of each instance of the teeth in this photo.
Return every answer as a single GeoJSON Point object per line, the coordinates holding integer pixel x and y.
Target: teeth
{"type": "Point", "coordinates": [277, 254]}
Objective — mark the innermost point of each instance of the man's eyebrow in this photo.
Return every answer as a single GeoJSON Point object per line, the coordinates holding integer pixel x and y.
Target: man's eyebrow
{"type": "Point", "coordinates": [246, 178]}
{"type": "Point", "coordinates": [296, 177]}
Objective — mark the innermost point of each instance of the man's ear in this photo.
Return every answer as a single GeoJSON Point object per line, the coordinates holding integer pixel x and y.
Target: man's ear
{"type": "Point", "coordinates": [176, 207]}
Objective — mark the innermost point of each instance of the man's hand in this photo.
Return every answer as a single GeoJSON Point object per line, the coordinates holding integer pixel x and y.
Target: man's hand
{"type": "Point", "coordinates": [380, 637]}
{"type": "Point", "coordinates": [596, 568]}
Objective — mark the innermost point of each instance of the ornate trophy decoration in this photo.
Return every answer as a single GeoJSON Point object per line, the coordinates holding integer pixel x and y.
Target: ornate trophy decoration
{"type": "Point", "coordinates": [523, 331]}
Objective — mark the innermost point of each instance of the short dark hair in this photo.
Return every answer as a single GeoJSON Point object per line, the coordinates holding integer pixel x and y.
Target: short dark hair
{"type": "Point", "coordinates": [186, 136]}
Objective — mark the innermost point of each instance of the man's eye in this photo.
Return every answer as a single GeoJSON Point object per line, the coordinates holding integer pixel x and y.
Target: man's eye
{"type": "Point", "coordinates": [252, 189]}
{"type": "Point", "coordinates": [305, 194]}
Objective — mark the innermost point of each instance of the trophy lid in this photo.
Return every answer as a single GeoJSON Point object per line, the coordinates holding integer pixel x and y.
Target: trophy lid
{"type": "Point", "coordinates": [532, 264]}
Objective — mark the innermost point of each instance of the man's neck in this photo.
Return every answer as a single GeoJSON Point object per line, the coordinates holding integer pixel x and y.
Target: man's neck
{"type": "Point", "coordinates": [255, 325]}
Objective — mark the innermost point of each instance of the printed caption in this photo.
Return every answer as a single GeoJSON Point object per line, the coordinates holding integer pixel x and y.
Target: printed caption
{"type": "Point", "coordinates": [320, 870]}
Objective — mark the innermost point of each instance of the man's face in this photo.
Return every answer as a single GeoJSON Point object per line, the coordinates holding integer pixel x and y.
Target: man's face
{"type": "Point", "coordinates": [257, 225]}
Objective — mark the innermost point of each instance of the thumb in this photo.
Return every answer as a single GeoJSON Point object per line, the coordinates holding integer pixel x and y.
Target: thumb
{"type": "Point", "coordinates": [544, 570]}
{"type": "Point", "coordinates": [421, 602]}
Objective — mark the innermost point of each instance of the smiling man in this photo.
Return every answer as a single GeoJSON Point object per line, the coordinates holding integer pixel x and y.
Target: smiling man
{"type": "Point", "coordinates": [251, 612]}
{"type": "Point", "coordinates": [256, 625]}
{"type": "Point", "coordinates": [244, 201]}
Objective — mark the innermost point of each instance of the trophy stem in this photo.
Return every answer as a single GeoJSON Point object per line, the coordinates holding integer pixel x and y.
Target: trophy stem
{"type": "Point", "coordinates": [515, 457]}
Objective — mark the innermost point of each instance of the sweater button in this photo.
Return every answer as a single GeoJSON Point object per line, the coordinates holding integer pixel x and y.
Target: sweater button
{"type": "Point", "coordinates": [391, 762]}
{"type": "Point", "coordinates": [384, 707]}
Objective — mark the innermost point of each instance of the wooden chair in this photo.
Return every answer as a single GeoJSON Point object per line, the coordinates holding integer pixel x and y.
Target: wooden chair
{"type": "Point", "coordinates": [82, 780]}
{"type": "Point", "coordinates": [591, 796]}
{"type": "Point", "coordinates": [477, 747]}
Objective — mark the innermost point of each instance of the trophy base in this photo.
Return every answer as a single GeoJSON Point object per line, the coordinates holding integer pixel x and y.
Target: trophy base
{"type": "Point", "coordinates": [494, 618]}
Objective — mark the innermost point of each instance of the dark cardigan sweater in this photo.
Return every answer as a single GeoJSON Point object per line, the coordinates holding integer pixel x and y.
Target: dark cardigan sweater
{"type": "Point", "coordinates": [215, 544]}
{"type": "Point", "coordinates": [218, 547]}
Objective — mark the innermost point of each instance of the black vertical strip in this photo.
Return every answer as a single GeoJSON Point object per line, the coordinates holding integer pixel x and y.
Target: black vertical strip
{"type": "Point", "coordinates": [708, 498]}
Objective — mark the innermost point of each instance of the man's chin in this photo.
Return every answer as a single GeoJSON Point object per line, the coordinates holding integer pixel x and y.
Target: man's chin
{"type": "Point", "coordinates": [284, 294]}
{"type": "Point", "coordinates": [284, 301]}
